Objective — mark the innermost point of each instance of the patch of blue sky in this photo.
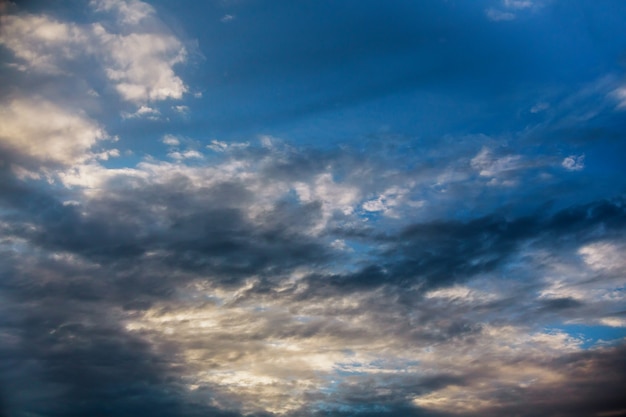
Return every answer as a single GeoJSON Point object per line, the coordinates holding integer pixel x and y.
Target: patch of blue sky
{"type": "Point", "coordinates": [334, 407]}
{"type": "Point", "coordinates": [359, 253]}
{"type": "Point", "coordinates": [592, 335]}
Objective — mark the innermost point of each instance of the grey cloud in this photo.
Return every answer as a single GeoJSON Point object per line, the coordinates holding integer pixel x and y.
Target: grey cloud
{"type": "Point", "coordinates": [136, 247]}
{"type": "Point", "coordinates": [202, 232]}
{"type": "Point", "coordinates": [76, 361]}
{"type": "Point", "coordinates": [441, 253]}
{"type": "Point", "coordinates": [561, 303]}
{"type": "Point", "coordinates": [597, 395]}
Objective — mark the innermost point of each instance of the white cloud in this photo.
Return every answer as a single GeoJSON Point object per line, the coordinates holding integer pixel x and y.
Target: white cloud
{"type": "Point", "coordinates": [105, 155]}
{"type": "Point", "coordinates": [218, 146]}
{"type": "Point", "coordinates": [604, 256]}
{"type": "Point", "coordinates": [138, 60]}
{"type": "Point", "coordinates": [143, 112]}
{"type": "Point", "coordinates": [498, 15]}
{"type": "Point", "coordinates": [43, 43]}
{"type": "Point", "coordinates": [351, 340]}
{"type": "Point", "coordinates": [340, 244]}
{"type": "Point", "coordinates": [613, 321]}
{"type": "Point", "coordinates": [188, 154]}
{"type": "Point", "coordinates": [620, 95]}
{"type": "Point", "coordinates": [375, 205]}
{"type": "Point", "coordinates": [390, 201]}
{"type": "Point", "coordinates": [462, 294]}
{"type": "Point", "coordinates": [267, 141]}
{"type": "Point", "coordinates": [129, 12]}
{"type": "Point", "coordinates": [508, 7]}
{"type": "Point", "coordinates": [518, 4]}
{"type": "Point", "coordinates": [227, 18]}
{"type": "Point", "coordinates": [332, 195]}
{"type": "Point", "coordinates": [170, 140]}
{"type": "Point", "coordinates": [91, 177]}
{"type": "Point", "coordinates": [539, 107]}
{"type": "Point", "coordinates": [46, 132]}
{"type": "Point", "coordinates": [491, 166]}
{"type": "Point", "coordinates": [141, 64]}
{"type": "Point", "coordinates": [181, 109]}
{"type": "Point", "coordinates": [574, 162]}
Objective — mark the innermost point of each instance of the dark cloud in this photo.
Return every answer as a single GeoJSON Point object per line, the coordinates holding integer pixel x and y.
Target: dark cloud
{"type": "Point", "coordinates": [442, 253]}
{"type": "Point", "coordinates": [69, 357]}
{"type": "Point", "coordinates": [561, 303]}
{"type": "Point", "coordinates": [96, 259]}
{"type": "Point", "coordinates": [597, 395]}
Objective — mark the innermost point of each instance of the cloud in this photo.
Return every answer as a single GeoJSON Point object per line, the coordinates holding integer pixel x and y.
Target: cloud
{"type": "Point", "coordinates": [141, 65]}
{"type": "Point", "coordinates": [129, 12]}
{"type": "Point", "coordinates": [510, 9]}
{"type": "Point", "coordinates": [603, 256]}
{"type": "Point", "coordinates": [519, 4]}
{"type": "Point", "coordinates": [500, 170]}
{"type": "Point", "coordinates": [390, 200]}
{"type": "Point", "coordinates": [499, 16]}
{"type": "Point", "coordinates": [482, 399]}
{"type": "Point", "coordinates": [620, 95]}
{"type": "Point", "coordinates": [44, 48]}
{"type": "Point", "coordinates": [188, 154]}
{"type": "Point", "coordinates": [333, 197]}
{"type": "Point", "coordinates": [540, 107]}
{"type": "Point", "coordinates": [384, 277]}
{"type": "Point", "coordinates": [138, 58]}
{"type": "Point", "coordinates": [574, 162]}
{"type": "Point", "coordinates": [36, 131]}
{"type": "Point", "coordinates": [207, 280]}
{"type": "Point", "coordinates": [44, 44]}
{"type": "Point", "coordinates": [170, 140]}
{"type": "Point", "coordinates": [227, 18]}
{"type": "Point", "coordinates": [143, 112]}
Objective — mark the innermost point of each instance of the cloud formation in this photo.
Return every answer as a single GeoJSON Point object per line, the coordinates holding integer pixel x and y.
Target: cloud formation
{"type": "Point", "coordinates": [154, 263]}
{"type": "Point", "coordinates": [138, 57]}
{"type": "Point", "coordinates": [44, 133]}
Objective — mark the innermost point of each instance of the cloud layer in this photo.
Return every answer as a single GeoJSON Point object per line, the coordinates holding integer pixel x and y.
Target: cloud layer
{"type": "Point", "coordinates": [150, 266]}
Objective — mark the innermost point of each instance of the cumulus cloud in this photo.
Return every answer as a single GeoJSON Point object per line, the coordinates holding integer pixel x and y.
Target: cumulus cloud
{"type": "Point", "coordinates": [137, 59]}
{"type": "Point", "coordinates": [574, 162]}
{"type": "Point", "coordinates": [171, 140]}
{"type": "Point", "coordinates": [42, 43]}
{"type": "Point", "coordinates": [141, 65]}
{"type": "Point", "coordinates": [41, 131]}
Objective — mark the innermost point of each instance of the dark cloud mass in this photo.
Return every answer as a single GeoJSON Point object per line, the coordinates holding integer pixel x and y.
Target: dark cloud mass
{"type": "Point", "coordinates": [266, 209]}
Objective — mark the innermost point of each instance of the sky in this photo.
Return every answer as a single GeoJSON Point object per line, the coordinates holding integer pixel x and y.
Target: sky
{"type": "Point", "coordinates": [312, 208]}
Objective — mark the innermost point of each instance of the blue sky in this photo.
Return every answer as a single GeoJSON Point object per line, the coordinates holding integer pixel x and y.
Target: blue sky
{"type": "Point", "coordinates": [312, 208]}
